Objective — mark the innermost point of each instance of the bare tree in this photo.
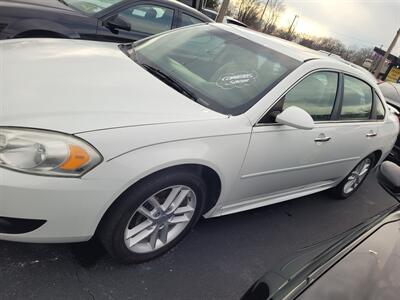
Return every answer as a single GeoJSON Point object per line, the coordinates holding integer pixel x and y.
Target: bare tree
{"type": "Point", "coordinates": [213, 4]}
{"type": "Point", "coordinates": [353, 54]}
{"type": "Point", "coordinates": [249, 12]}
{"type": "Point", "coordinates": [271, 15]}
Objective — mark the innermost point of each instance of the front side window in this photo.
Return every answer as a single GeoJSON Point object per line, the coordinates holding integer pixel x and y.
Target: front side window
{"type": "Point", "coordinates": [225, 72]}
{"type": "Point", "coordinates": [149, 19]}
{"type": "Point", "coordinates": [91, 6]}
{"type": "Point", "coordinates": [357, 99]}
{"type": "Point", "coordinates": [315, 94]}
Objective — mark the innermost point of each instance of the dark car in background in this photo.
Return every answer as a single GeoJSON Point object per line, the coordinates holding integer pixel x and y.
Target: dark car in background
{"type": "Point", "coordinates": [362, 263]}
{"type": "Point", "coordinates": [391, 91]}
{"type": "Point", "coordinates": [104, 20]}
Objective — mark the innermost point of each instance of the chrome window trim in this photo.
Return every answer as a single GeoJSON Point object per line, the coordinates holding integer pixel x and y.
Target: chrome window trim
{"type": "Point", "coordinates": [327, 122]}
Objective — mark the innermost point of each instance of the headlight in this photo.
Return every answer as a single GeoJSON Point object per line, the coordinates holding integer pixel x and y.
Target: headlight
{"type": "Point", "coordinates": [46, 153]}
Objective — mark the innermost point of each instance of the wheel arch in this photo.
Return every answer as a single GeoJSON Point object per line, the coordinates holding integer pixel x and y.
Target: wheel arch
{"type": "Point", "coordinates": [211, 178]}
{"type": "Point", "coordinates": [378, 155]}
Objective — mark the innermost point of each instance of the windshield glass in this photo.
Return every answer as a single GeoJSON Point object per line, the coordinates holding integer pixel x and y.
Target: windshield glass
{"type": "Point", "coordinates": [90, 6]}
{"type": "Point", "coordinates": [225, 72]}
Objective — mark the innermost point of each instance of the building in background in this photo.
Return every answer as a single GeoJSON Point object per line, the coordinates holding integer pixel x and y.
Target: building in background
{"type": "Point", "coordinates": [391, 68]}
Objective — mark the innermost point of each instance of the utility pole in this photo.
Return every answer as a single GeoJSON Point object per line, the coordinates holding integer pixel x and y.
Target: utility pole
{"type": "Point", "coordinates": [291, 25]}
{"type": "Point", "coordinates": [265, 8]}
{"type": "Point", "coordinates": [222, 11]}
{"type": "Point", "coordinates": [383, 59]}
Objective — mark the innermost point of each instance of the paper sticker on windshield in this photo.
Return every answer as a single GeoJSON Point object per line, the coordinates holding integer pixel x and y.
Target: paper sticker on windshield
{"type": "Point", "coordinates": [236, 80]}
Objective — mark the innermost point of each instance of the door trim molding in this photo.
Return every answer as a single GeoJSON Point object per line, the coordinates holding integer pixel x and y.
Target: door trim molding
{"type": "Point", "coordinates": [299, 167]}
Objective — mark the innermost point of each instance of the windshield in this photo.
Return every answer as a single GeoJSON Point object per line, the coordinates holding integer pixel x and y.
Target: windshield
{"type": "Point", "coordinates": [90, 6]}
{"type": "Point", "coordinates": [225, 72]}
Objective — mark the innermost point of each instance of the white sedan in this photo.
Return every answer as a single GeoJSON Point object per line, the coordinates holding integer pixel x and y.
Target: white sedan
{"type": "Point", "coordinates": [133, 143]}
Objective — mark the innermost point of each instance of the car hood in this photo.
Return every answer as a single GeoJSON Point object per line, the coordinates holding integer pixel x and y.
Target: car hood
{"type": "Point", "coordinates": [77, 86]}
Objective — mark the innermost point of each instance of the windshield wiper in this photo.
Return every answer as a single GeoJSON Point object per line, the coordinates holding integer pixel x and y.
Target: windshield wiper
{"type": "Point", "coordinates": [170, 81]}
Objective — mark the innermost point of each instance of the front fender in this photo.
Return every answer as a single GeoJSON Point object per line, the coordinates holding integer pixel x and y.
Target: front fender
{"type": "Point", "coordinates": [222, 154]}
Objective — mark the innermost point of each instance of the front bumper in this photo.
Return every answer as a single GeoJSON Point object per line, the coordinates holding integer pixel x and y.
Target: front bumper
{"type": "Point", "coordinates": [70, 207]}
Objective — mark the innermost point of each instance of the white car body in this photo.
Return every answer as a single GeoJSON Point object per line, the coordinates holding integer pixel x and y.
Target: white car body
{"type": "Point", "coordinates": [139, 130]}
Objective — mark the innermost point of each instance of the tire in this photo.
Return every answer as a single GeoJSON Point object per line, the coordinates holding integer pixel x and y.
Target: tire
{"type": "Point", "coordinates": [342, 191]}
{"type": "Point", "coordinates": [137, 207]}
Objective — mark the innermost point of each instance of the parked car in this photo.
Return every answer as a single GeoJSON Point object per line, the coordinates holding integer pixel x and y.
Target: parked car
{"type": "Point", "coordinates": [391, 91]}
{"type": "Point", "coordinates": [227, 19]}
{"type": "Point", "coordinates": [103, 20]}
{"type": "Point", "coordinates": [367, 64]}
{"type": "Point", "coordinates": [362, 263]}
{"type": "Point", "coordinates": [133, 143]}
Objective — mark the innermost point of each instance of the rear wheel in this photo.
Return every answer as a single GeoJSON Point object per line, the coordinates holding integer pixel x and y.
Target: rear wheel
{"type": "Point", "coordinates": [153, 217]}
{"type": "Point", "coordinates": [354, 180]}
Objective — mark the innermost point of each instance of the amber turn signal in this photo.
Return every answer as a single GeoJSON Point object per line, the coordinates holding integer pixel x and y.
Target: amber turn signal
{"type": "Point", "coordinates": [78, 157]}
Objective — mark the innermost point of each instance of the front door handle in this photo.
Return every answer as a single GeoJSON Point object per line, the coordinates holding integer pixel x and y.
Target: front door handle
{"type": "Point", "coordinates": [322, 138]}
{"type": "Point", "coordinates": [371, 134]}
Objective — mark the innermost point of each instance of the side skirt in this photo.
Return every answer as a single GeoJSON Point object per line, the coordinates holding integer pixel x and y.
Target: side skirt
{"type": "Point", "coordinates": [269, 199]}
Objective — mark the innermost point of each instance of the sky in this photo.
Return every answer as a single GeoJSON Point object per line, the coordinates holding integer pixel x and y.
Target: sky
{"type": "Point", "coordinates": [360, 23]}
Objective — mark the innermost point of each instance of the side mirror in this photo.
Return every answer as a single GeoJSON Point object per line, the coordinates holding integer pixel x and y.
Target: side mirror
{"type": "Point", "coordinates": [295, 117]}
{"type": "Point", "coordinates": [389, 177]}
{"type": "Point", "coordinates": [117, 22]}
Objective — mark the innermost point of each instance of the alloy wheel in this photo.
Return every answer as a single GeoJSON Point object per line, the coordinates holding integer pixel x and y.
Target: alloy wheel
{"type": "Point", "coordinates": [357, 176]}
{"type": "Point", "coordinates": [160, 219]}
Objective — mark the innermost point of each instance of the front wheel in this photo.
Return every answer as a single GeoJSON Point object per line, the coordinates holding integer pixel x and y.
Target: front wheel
{"type": "Point", "coordinates": [153, 217]}
{"type": "Point", "coordinates": [354, 180]}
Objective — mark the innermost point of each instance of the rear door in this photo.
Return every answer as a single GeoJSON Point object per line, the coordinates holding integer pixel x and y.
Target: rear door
{"type": "Point", "coordinates": [353, 129]}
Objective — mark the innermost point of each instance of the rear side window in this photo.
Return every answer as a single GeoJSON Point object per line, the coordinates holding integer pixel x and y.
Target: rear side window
{"type": "Point", "coordinates": [187, 20]}
{"type": "Point", "coordinates": [357, 99]}
{"type": "Point", "coordinates": [315, 94]}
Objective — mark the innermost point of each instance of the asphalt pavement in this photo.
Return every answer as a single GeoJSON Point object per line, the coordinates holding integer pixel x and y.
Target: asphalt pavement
{"type": "Point", "coordinates": [220, 259]}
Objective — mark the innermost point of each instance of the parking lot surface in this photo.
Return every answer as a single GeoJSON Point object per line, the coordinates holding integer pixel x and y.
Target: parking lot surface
{"type": "Point", "coordinates": [220, 259]}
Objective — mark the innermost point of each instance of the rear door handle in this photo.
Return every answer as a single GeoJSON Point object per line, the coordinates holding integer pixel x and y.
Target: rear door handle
{"type": "Point", "coordinates": [322, 138]}
{"type": "Point", "coordinates": [371, 134]}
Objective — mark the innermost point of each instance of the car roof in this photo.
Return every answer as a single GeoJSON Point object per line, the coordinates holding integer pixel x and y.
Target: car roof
{"type": "Point", "coordinates": [291, 49]}
{"type": "Point", "coordinates": [297, 51]}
